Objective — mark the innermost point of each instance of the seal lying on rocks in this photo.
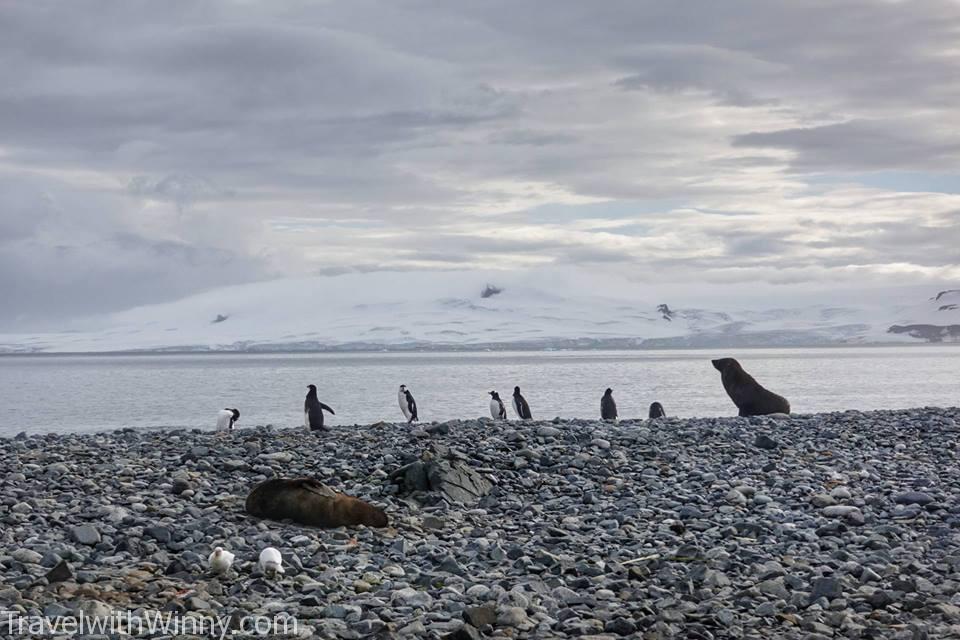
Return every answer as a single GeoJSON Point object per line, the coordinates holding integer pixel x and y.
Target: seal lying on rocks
{"type": "Point", "coordinates": [749, 396]}
{"type": "Point", "coordinates": [308, 501]}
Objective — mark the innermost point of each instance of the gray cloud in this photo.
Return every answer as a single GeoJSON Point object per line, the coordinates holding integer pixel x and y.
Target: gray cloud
{"type": "Point", "coordinates": [64, 253]}
{"type": "Point", "coordinates": [862, 146]}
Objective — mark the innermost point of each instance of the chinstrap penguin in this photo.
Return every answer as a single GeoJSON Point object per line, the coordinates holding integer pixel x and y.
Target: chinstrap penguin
{"type": "Point", "coordinates": [313, 410]}
{"type": "Point", "coordinates": [407, 404]}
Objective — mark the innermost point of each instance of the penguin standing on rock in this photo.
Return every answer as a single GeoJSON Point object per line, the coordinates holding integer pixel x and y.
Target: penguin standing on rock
{"type": "Point", "coordinates": [226, 418]}
{"type": "Point", "coordinates": [656, 411]}
{"type": "Point", "coordinates": [497, 410]}
{"type": "Point", "coordinates": [608, 406]}
{"type": "Point", "coordinates": [407, 404]}
{"type": "Point", "coordinates": [313, 411]}
{"type": "Point", "coordinates": [520, 405]}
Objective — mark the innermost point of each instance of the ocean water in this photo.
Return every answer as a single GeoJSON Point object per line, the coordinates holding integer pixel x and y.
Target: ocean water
{"type": "Point", "coordinates": [43, 394]}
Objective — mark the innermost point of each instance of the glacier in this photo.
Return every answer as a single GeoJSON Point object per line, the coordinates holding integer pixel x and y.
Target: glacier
{"type": "Point", "coordinates": [476, 311]}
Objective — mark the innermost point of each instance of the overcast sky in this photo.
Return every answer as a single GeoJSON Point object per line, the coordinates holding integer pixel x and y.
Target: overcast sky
{"type": "Point", "coordinates": [150, 150]}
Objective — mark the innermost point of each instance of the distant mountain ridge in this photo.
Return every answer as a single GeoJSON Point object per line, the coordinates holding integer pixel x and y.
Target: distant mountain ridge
{"type": "Point", "coordinates": [371, 312]}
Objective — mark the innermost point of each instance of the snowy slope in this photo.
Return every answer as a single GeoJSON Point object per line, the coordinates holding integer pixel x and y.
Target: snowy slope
{"type": "Point", "coordinates": [934, 320]}
{"type": "Point", "coordinates": [446, 310]}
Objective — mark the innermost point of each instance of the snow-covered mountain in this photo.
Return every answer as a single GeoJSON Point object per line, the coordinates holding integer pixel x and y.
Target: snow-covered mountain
{"type": "Point", "coordinates": [376, 311]}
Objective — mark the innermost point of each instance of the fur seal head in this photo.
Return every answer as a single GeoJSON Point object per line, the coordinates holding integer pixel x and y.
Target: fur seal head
{"type": "Point", "coordinates": [309, 501]}
{"type": "Point", "coordinates": [721, 364]}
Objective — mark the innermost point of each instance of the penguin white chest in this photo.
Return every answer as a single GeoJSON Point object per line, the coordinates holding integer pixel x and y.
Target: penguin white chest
{"type": "Point", "coordinates": [223, 420]}
{"type": "Point", "coordinates": [404, 406]}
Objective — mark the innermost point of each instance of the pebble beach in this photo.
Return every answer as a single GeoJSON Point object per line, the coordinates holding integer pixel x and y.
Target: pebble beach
{"type": "Point", "coordinates": [840, 525]}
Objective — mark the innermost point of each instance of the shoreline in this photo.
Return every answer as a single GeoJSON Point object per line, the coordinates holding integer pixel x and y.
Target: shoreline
{"type": "Point", "coordinates": [839, 523]}
{"type": "Point", "coordinates": [401, 426]}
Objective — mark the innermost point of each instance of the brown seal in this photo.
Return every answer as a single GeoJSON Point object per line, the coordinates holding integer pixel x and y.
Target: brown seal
{"type": "Point", "coordinates": [308, 501]}
{"type": "Point", "coordinates": [749, 396]}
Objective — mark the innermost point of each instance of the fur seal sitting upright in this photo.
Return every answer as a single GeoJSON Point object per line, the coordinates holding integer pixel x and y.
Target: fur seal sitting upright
{"type": "Point", "coordinates": [308, 501]}
{"type": "Point", "coordinates": [749, 396]}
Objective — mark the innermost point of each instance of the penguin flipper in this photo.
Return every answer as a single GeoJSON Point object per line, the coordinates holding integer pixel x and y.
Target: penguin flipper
{"type": "Point", "coordinates": [328, 409]}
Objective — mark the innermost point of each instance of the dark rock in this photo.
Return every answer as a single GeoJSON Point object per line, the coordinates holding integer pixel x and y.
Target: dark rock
{"type": "Point", "coordinates": [160, 534]}
{"type": "Point", "coordinates": [620, 626]}
{"type": "Point", "coordinates": [466, 632]}
{"type": "Point", "coordinates": [412, 477]}
{"type": "Point", "coordinates": [828, 588]}
{"type": "Point", "coordinates": [764, 441]}
{"type": "Point", "coordinates": [880, 599]}
{"type": "Point", "coordinates": [60, 573]}
{"type": "Point", "coordinates": [457, 482]}
{"type": "Point", "coordinates": [913, 497]}
{"type": "Point", "coordinates": [179, 486]}
{"type": "Point", "coordinates": [479, 616]}
{"type": "Point", "coordinates": [454, 480]}
{"type": "Point", "coordinates": [438, 429]}
{"type": "Point", "coordinates": [490, 290]}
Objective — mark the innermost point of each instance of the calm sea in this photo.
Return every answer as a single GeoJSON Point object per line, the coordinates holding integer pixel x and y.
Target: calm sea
{"type": "Point", "coordinates": [83, 393]}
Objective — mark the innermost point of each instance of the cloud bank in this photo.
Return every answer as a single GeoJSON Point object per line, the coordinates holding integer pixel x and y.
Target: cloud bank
{"type": "Point", "coordinates": [153, 150]}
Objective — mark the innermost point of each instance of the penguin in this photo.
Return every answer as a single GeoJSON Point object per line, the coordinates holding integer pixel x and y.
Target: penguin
{"type": "Point", "coordinates": [226, 418]}
{"type": "Point", "coordinates": [220, 560]}
{"type": "Point", "coordinates": [608, 406]}
{"type": "Point", "coordinates": [656, 411]}
{"type": "Point", "coordinates": [497, 410]}
{"type": "Point", "coordinates": [271, 562]}
{"type": "Point", "coordinates": [313, 410]}
{"type": "Point", "coordinates": [407, 404]}
{"type": "Point", "coordinates": [520, 405]}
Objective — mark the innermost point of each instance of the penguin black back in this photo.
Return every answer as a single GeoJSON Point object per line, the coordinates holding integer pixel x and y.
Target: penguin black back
{"type": "Point", "coordinates": [313, 410]}
{"type": "Point", "coordinates": [656, 411]}
{"type": "Point", "coordinates": [608, 406]}
{"type": "Point", "coordinates": [412, 406]}
{"type": "Point", "coordinates": [520, 405]}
